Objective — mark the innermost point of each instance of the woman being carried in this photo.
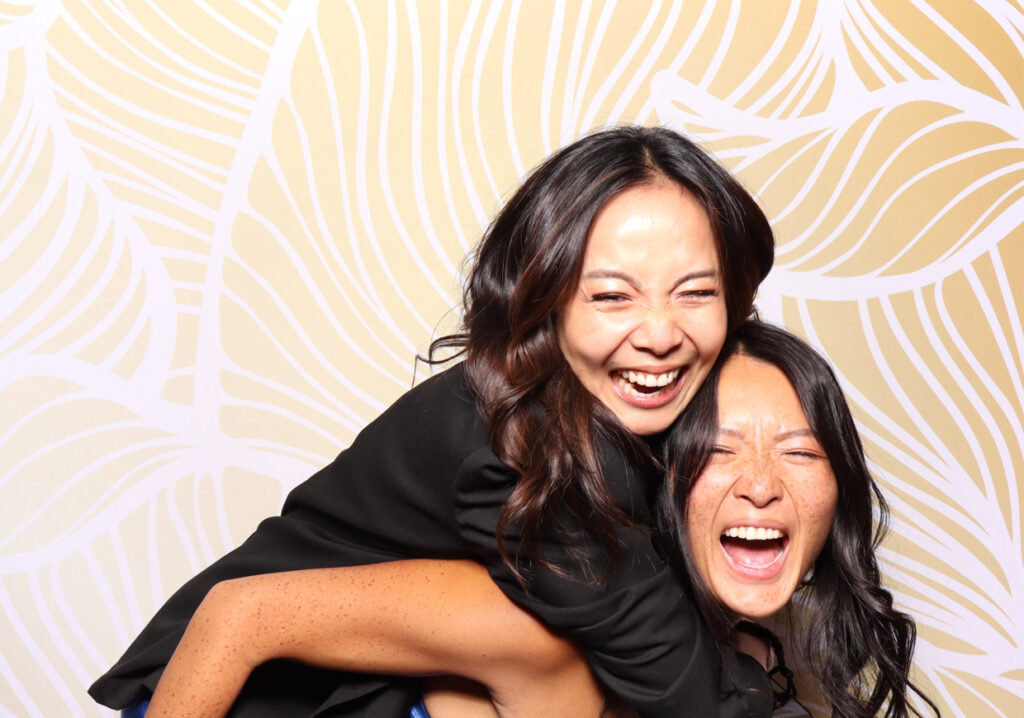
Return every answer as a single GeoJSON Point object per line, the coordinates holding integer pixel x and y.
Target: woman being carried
{"type": "Point", "coordinates": [599, 300]}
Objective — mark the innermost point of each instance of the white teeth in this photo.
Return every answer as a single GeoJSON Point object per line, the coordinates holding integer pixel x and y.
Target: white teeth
{"type": "Point", "coordinates": [649, 380]}
{"type": "Point", "coordinates": [751, 533]}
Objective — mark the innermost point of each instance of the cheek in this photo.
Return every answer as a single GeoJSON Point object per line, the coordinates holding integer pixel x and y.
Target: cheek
{"type": "Point", "coordinates": [591, 335]}
{"type": "Point", "coordinates": [701, 507]}
{"type": "Point", "coordinates": [818, 511]}
{"type": "Point", "coordinates": [573, 327]}
{"type": "Point", "coordinates": [709, 334]}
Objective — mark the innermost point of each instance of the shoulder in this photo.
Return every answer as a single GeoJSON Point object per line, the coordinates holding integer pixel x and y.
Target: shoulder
{"type": "Point", "coordinates": [443, 401]}
{"type": "Point", "coordinates": [449, 391]}
{"type": "Point", "coordinates": [434, 425]}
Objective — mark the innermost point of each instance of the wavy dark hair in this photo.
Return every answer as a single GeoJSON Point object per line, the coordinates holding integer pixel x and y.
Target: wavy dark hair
{"type": "Point", "coordinates": [543, 422]}
{"type": "Point", "coordinates": [859, 647]}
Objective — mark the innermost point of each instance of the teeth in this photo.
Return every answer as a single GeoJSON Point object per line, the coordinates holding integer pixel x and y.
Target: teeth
{"type": "Point", "coordinates": [649, 380]}
{"type": "Point", "coordinates": [750, 533]}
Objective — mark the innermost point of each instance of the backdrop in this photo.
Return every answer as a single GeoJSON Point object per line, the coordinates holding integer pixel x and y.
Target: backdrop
{"type": "Point", "coordinates": [226, 228]}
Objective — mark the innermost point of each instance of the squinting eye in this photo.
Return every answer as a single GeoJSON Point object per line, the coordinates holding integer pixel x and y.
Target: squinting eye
{"type": "Point", "coordinates": [608, 297]}
{"type": "Point", "coordinates": [805, 454]}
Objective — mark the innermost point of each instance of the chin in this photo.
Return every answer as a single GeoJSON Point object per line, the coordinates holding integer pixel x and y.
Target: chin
{"type": "Point", "coordinates": [754, 613]}
{"type": "Point", "coordinates": [646, 424]}
{"type": "Point", "coordinates": [757, 604]}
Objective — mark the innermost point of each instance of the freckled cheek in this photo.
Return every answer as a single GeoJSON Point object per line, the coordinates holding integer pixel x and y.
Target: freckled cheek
{"type": "Point", "coordinates": [817, 509]}
{"type": "Point", "coordinates": [700, 518]}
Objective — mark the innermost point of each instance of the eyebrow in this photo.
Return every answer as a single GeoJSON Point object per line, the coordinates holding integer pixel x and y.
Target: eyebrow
{"type": "Point", "coordinates": [792, 434]}
{"type": "Point", "coordinates": [795, 433]}
{"type": "Point", "coordinates": [636, 284]}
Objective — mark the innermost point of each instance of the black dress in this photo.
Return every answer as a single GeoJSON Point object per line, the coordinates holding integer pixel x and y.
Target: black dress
{"type": "Point", "coordinates": [421, 481]}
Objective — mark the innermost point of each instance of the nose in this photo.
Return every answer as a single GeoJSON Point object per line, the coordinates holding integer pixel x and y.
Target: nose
{"type": "Point", "coordinates": [659, 333]}
{"type": "Point", "coordinates": [758, 482]}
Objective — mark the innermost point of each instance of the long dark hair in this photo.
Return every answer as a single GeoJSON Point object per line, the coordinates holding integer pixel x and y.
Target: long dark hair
{"type": "Point", "coordinates": [543, 423]}
{"type": "Point", "coordinates": [853, 634]}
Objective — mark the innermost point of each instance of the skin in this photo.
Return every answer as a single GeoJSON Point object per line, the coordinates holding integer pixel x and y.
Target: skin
{"type": "Point", "coordinates": [768, 471]}
{"type": "Point", "coordinates": [361, 618]}
{"type": "Point", "coordinates": [649, 300]}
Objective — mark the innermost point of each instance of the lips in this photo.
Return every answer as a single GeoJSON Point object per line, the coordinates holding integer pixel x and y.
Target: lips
{"type": "Point", "coordinates": [755, 552]}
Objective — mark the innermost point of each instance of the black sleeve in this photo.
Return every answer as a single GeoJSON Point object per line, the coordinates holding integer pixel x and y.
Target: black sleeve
{"type": "Point", "coordinates": [643, 637]}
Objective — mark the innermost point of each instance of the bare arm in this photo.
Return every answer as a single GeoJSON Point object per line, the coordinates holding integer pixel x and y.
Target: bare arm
{"type": "Point", "coordinates": [410, 617]}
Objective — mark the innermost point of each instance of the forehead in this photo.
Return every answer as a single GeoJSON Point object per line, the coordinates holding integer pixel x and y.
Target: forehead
{"type": "Point", "coordinates": [753, 392]}
{"type": "Point", "coordinates": [651, 217]}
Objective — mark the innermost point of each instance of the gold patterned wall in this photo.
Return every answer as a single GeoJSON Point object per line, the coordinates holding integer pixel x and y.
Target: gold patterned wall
{"type": "Point", "coordinates": [226, 228]}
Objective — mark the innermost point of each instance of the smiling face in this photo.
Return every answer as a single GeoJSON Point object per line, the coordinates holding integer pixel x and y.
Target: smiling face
{"type": "Point", "coordinates": [767, 474]}
{"type": "Point", "coordinates": [648, 318]}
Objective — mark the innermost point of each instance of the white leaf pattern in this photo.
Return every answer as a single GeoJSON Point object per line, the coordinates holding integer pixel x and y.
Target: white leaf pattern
{"type": "Point", "coordinates": [226, 229]}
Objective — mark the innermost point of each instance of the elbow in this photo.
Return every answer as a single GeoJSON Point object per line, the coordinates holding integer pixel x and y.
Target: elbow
{"type": "Point", "coordinates": [550, 674]}
{"type": "Point", "coordinates": [224, 601]}
{"type": "Point", "coordinates": [228, 621]}
{"type": "Point", "coordinates": [539, 651]}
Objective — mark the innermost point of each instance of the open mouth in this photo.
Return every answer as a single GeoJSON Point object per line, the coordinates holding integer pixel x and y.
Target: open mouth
{"type": "Point", "coordinates": [754, 549]}
{"type": "Point", "coordinates": [644, 385]}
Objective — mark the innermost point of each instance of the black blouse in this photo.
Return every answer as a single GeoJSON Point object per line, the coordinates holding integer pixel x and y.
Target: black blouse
{"type": "Point", "coordinates": [422, 481]}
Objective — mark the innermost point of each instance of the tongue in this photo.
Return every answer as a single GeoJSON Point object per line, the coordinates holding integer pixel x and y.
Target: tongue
{"type": "Point", "coordinates": [755, 554]}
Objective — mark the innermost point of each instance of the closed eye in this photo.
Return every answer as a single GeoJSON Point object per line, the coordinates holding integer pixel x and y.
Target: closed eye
{"type": "Point", "coordinates": [609, 297]}
{"type": "Point", "coordinates": [805, 454]}
{"type": "Point", "coordinates": [700, 293]}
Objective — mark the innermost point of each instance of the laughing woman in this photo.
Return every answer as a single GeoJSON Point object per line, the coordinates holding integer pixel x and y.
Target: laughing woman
{"type": "Point", "coordinates": [599, 300]}
{"type": "Point", "coordinates": [769, 444]}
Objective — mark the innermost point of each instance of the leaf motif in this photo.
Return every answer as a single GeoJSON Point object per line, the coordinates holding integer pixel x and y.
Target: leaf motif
{"type": "Point", "coordinates": [225, 230]}
{"type": "Point", "coordinates": [86, 560]}
{"type": "Point", "coordinates": [937, 394]}
{"type": "Point", "coordinates": [970, 45]}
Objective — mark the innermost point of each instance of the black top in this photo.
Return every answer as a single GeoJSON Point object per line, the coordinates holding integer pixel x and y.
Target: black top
{"type": "Point", "coordinates": [422, 481]}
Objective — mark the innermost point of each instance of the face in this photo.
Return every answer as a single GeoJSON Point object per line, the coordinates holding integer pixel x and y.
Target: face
{"type": "Point", "coordinates": [648, 317]}
{"type": "Point", "coordinates": [768, 474]}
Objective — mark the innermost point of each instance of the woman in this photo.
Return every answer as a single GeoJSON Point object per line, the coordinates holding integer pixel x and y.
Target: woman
{"type": "Point", "coordinates": [786, 457]}
{"type": "Point", "coordinates": [599, 300]}
{"type": "Point", "coordinates": [767, 445]}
